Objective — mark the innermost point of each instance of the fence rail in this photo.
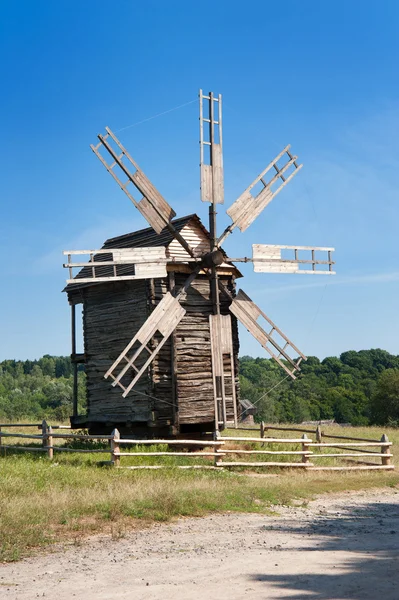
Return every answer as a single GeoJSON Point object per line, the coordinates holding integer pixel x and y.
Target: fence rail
{"type": "Point", "coordinates": [221, 450]}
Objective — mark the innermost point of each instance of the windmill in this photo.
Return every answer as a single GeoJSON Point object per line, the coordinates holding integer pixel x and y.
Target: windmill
{"type": "Point", "coordinates": [151, 263]}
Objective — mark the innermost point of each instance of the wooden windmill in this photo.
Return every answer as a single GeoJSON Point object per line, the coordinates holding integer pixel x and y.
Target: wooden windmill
{"type": "Point", "coordinates": [179, 367]}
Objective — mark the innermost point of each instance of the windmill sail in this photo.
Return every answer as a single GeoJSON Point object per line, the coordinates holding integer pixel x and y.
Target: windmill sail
{"type": "Point", "coordinates": [222, 367]}
{"type": "Point", "coordinates": [164, 319]}
{"type": "Point", "coordinates": [248, 207]}
{"type": "Point", "coordinates": [117, 264]}
{"type": "Point", "coordinates": [152, 206]}
{"type": "Point", "coordinates": [269, 258]}
{"type": "Point", "coordinates": [211, 163]}
{"type": "Point", "coordinates": [247, 312]}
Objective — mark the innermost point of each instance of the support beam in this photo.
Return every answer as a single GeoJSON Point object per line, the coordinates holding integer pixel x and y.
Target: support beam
{"type": "Point", "coordinates": [74, 364]}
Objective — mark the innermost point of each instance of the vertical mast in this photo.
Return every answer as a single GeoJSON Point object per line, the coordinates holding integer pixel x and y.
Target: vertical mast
{"type": "Point", "coordinates": [211, 166]}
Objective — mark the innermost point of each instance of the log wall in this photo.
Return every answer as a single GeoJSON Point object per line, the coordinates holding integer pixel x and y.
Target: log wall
{"type": "Point", "coordinates": [192, 350]}
{"type": "Point", "coordinates": [112, 314]}
{"type": "Point", "coordinates": [179, 379]}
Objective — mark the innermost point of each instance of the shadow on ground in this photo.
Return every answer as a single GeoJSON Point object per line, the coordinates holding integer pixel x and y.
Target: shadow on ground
{"type": "Point", "coordinates": [365, 546]}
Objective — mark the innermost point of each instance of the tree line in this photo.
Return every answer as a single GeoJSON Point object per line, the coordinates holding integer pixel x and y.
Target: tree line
{"type": "Point", "coordinates": [361, 388]}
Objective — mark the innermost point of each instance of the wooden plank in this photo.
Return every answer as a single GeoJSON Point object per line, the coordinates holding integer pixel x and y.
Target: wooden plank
{"type": "Point", "coordinates": [267, 259]}
{"type": "Point", "coordinates": [171, 454]}
{"type": "Point", "coordinates": [263, 440]}
{"type": "Point", "coordinates": [222, 344]}
{"type": "Point", "coordinates": [360, 468]}
{"type": "Point", "coordinates": [288, 465]}
{"type": "Point", "coordinates": [21, 435]}
{"type": "Point", "coordinates": [132, 468]}
{"type": "Point", "coordinates": [173, 442]}
{"type": "Point", "coordinates": [206, 183]}
{"type": "Point", "coordinates": [273, 452]}
{"type": "Point", "coordinates": [217, 174]}
{"type": "Point", "coordinates": [153, 206]}
{"type": "Point", "coordinates": [27, 448]}
{"type": "Point", "coordinates": [150, 192]}
{"type": "Point", "coordinates": [146, 275]}
{"type": "Point", "coordinates": [139, 254]}
{"type": "Point", "coordinates": [379, 454]}
{"type": "Point", "coordinates": [146, 263]}
{"type": "Point", "coordinates": [354, 444]}
{"type": "Point", "coordinates": [347, 437]}
{"type": "Point", "coordinates": [283, 247]}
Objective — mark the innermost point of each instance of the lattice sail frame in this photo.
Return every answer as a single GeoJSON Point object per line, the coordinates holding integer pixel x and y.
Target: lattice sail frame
{"type": "Point", "coordinates": [248, 313]}
{"type": "Point", "coordinates": [143, 262]}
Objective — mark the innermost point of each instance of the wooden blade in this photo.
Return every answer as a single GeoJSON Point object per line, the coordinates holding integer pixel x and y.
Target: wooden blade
{"type": "Point", "coordinates": [152, 206]}
{"type": "Point", "coordinates": [247, 312]}
{"type": "Point", "coordinates": [247, 207]}
{"type": "Point", "coordinates": [292, 259]}
{"type": "Point", "coordinates": [211, 149]}
{"type": "Point", "coordinates": [164, 319]}
{"type": "Point", "coordinates": [117, 264]}
{"type": "Point", "coordinates": [222, 367]}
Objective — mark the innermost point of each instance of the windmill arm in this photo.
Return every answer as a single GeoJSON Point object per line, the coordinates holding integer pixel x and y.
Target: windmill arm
{"type": "Point", "coordinates": [163, 320]}
{"type": "Point", "coordinates": [152, 206]}
{"type": "Point", "coordinates": [248, 207]}
{"type": "Point", "coordinates": [247, 312]}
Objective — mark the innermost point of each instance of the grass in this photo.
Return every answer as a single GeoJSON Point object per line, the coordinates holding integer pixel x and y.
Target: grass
{"type": "Point", "coordinates": [42, 502]}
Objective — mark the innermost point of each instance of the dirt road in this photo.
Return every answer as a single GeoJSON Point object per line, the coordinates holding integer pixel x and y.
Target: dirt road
{"type": "Point", "coordinates": [340, 546]}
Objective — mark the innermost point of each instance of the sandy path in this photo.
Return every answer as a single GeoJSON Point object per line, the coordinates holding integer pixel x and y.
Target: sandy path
{"type": "Point", "coordinates": [340, 546]}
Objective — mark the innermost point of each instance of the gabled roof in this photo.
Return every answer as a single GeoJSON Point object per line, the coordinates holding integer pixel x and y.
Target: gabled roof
{"type": "Point", "coordinates": [148, 237]}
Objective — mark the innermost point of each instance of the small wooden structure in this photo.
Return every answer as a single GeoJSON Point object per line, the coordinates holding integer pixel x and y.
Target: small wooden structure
{"type": "Point", "coordinates": [175, 394]}
{"type": "Point", "coordinates": [247, 412]}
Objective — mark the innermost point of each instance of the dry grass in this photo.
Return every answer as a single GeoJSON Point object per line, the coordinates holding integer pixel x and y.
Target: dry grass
{"type": "Point", "coordinates": [42, 501]}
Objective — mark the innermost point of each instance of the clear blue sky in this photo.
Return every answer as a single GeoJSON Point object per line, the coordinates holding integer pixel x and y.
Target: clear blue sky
{"type": "Point", "coordinates": [322, 76]}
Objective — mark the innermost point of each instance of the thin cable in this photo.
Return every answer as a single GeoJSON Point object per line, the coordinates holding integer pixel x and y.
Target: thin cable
{"type": "Point", "coordinates": [268, 391]}
{"type": "Point", "coordinates": [165, 112]}
{"type": "Point", "coordinates": [317, 310]}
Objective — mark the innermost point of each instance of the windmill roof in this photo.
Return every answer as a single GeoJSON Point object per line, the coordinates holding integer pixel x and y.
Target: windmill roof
{"type": "Point", "coordinates": [148, 237]}
{"type": "Point", "coordinates": [143, 238]}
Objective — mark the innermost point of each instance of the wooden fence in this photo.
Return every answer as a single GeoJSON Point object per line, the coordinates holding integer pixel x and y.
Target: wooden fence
{"type": "Point", "coordinates": [221, 452]}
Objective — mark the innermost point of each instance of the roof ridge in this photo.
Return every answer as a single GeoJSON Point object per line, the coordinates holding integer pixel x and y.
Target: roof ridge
{"type": "Point", "coordinates": [180, 221]}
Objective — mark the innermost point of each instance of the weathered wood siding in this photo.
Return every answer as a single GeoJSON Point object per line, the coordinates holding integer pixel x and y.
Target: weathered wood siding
{"type": "Point", "coordinates": [112, 314]}
{"type": "Point", "coordinates": [181, 392]}
{"type": "Point", "coordinates": [192, 348]}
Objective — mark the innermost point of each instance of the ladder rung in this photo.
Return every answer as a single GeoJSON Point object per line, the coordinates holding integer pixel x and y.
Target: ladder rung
{"type": "Point", "coordinates": [215, 98]}
{"type": "Point", "coordinates": [290, 157]}
{"type": "Point", "coordinates": [119, 383]}
{"type": "Point", "coordinates": [132, 365]}
{"type": "Point", "coordinates": [278, 172]}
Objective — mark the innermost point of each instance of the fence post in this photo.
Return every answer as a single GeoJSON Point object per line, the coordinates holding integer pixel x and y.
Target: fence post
{"type": "Point", "coordinates": [318, 434]}
{"type": "Point", "coordinates": [44, 433]}
{"type": "Point", "coordinates": [50, 449]}
{"type": "Point", "coordinates": [115, 448]}
{"type": "Point", "coordinates": [217, 461]}
{"type": "Point", "coordinates": [262, 429]}
{"type": "Point", "coordinates": [385, 460]}
{"type": "Point", "coordinates": [305, 448]}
